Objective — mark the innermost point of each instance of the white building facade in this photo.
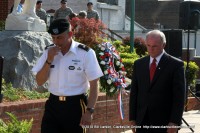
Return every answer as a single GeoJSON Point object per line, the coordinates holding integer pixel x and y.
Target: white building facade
{"type": "Point", "coordinates": [111, 12]}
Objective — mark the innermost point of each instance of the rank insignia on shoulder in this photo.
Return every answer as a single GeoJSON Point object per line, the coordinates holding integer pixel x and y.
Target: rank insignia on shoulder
{"type": "Point", "coordinates": [51, 45]}
{"type": "Point", "coordinates": [84, 47]}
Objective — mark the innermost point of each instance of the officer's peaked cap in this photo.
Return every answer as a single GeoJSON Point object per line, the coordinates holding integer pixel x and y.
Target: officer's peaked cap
{"type": "Point", "coordinates": [59, 26]}
{"type": "Point", "coordinates": [39, 1]}
{"type": "Point", "coordinates": [63, 1]}
{"type": "Point", "coordinates": [89, 3]}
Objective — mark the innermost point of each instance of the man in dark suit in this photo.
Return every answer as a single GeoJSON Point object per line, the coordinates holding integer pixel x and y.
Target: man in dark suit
{"type": "Point", "coordinates": [157, 90]}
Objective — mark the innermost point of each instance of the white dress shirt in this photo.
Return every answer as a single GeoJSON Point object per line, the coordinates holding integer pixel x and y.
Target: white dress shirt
{"type": "Point", "coordinates": [70, 73]}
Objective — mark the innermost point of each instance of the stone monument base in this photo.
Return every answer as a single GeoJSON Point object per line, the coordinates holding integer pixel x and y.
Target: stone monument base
{"type": "Point", "coordinates": [24, 22]}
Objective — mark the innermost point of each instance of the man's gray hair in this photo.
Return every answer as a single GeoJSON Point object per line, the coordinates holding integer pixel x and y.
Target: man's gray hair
{"type": "Point", "coordinates": [157, 33]}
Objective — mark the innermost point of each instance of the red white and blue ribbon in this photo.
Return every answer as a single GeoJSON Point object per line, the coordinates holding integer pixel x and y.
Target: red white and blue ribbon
{"type": "Point", "coordinates": [120, 105]}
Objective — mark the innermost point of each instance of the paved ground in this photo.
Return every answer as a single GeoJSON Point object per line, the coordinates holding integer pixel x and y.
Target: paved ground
{"type": "Point", "coordinates": [192, 118]}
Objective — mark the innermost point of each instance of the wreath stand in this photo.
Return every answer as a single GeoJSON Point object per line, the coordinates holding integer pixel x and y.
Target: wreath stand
{"type": "Point", "coordinates": [107, 111]}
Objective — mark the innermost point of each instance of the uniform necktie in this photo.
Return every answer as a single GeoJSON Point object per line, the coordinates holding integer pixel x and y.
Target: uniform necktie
{"type": "Point", "coordinates": [152, 69]}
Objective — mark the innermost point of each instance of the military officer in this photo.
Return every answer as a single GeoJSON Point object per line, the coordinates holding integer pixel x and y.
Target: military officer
{"type": "Point", "coordinates": [71, 69]}
{"type": "Point", "coordinates": [64, 11]}
{"type": "Point", "coordinates": [91, 13]}
{"type": "Point", "coordinates": [40, 12]}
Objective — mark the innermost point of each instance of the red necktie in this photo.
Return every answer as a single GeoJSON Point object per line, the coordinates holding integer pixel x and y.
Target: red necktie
{"type": "Point", "coordinates": [152, 69]}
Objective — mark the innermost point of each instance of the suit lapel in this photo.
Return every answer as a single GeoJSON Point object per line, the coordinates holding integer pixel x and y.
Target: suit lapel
{"type": "Point", "coordinates": [160, 67]}
{"type": "Point", "coordinates": [146, 70]}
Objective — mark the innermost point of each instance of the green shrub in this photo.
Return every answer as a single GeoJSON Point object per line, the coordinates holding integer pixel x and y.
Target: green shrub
{"type": "Point", "coordinates": [35, 95]}
{"type": "Point", "coordinates": [128, 60]}
{"type": "Point", "coordinates": [117, 43]}
{"type": "Point", "coordinates": [15, 126]}
{"type": "Point", "coordinates": [16, 94]}
{"type": "Point", "coordinates": [192, 72]}
{"type": "Point", "coordinates": [128, 63]}
{"type": "Point", "coordinates": [129, 55]}
{"type": "Point", "coordinates": [2, 25]}
{"type": "Point", "coordinates": [123, 49]}
{"type": "Point", "coordinates": [11, 94]}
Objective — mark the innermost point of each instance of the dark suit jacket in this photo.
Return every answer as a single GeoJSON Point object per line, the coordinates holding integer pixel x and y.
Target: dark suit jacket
{"type": "Point", "coordinates": [164, 97]}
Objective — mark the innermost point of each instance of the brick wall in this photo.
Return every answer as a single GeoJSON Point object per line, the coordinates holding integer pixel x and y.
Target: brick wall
{"type": "Point", "coordinates": [193, 104]}
{"type": "Point", "coordinates": [107, 114]}
{"type": "Point", "coordinates": [25, 110]}
{"type": "Point", "coordinates": [34, 109]}
{"type": "Point", "coordinates": [5, 8]}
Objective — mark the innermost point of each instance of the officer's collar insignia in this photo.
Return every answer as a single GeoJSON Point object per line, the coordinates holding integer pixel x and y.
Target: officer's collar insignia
{"type": "Point", "coordinates": [55, 31]}
{"type": "Point", "coordinates": [78, 68]}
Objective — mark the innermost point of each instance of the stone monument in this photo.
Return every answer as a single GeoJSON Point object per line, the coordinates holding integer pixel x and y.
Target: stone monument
{"type": "Point", "coordinates": [27, 20]}
{"type": "Point", "coordinates": [21, 50]}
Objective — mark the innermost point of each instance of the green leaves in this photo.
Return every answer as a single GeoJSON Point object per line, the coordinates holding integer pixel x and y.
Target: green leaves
{"type": "Point", "coordinates": [9, 92]}
{"type": "Point", "coordinates": [128, 60]}
{"type": "Point", "coordinates": [14, 125]}
{"type": "Point", "coordinates": [2, 25]}
{"type": "Point", "coordinates": [192, 72]}
{"type": "Point", "coordinates": [15, 94]}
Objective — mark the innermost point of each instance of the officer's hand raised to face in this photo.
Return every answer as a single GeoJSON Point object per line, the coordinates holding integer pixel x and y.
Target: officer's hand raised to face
{"type": "Point", "coordinates": [52, 52]}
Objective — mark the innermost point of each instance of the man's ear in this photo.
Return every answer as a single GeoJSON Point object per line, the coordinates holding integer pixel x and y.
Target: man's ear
{"type": "Point", "coordinates": [164, 45]}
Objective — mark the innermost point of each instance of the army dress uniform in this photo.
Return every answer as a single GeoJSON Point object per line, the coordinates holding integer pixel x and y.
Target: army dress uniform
{"type": "Point", "coordinates": [69, 78]}
{"type": "Point", "coordinates": [62, 13]}
{"type": "Point", "coordinates": [92, 14]}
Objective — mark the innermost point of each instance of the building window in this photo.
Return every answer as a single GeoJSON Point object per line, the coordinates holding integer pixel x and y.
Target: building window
{"type": "Point", "coordinates": [110, 2]}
